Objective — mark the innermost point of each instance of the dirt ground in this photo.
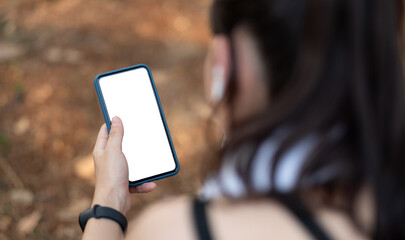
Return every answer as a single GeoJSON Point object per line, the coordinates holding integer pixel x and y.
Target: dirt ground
{"type": "Point", "coordinates": [50, 52]}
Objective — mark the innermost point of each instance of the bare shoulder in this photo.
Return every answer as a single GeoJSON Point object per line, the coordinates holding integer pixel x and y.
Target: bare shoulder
{"type": "Point", "coordinates": [248, 219]}
{"type": "Point", "coordinates": [167, 219]}
{"type": "Point", "coordinates": [268, 219]}
{"type": "Point", "coordinates": [254, 219]}
{"type": "Point", "coordinates": [172, 219]}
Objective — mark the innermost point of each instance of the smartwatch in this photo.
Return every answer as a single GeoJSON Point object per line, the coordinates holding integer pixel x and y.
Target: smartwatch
{"type": "Point", "coordinates": [98, 211]}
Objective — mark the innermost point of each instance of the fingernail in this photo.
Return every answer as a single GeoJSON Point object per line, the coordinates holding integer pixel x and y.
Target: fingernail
{"type": "Point", "coordinates": [115, 121]}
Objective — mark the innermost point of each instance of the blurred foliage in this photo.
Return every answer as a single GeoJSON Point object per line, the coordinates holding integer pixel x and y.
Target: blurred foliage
{"type": "Point", "coordinates": [19, 92]}
{"type": "Point", "coordinates": [50, 52]}
{"type": "Point", "coordinates": [18, 89]}
{"type": "Point", "coordinates": [4, 142]}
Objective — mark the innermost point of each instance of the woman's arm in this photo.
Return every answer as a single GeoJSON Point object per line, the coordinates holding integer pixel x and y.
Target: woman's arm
{"type": "Point", "coordinates": [111, 190]}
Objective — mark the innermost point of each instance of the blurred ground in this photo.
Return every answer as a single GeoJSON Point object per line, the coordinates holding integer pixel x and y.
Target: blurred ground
{"type": "Point", "coordinates": [50, 52]}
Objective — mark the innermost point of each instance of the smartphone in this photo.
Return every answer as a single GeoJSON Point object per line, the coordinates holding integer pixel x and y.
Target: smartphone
{"type": "Point", "coordinates": [130, 94]}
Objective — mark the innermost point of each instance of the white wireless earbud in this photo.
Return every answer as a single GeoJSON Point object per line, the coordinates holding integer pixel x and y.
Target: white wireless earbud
{"type": "Point", "coordinates": [218, 83]}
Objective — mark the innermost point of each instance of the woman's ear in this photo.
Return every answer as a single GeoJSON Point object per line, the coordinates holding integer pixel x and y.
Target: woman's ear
{"type": "Point", "coordinates": [219, 68]}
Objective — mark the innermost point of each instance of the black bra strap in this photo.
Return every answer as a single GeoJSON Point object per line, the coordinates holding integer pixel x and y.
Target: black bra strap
{"type": "Point", "coordinates": [304, 216]}
{"type": "Point", "coordinates": [200, 219]}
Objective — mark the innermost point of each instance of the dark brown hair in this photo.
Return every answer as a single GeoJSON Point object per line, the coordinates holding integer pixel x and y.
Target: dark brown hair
{"type": "Point", "coordinates": [330, 63]}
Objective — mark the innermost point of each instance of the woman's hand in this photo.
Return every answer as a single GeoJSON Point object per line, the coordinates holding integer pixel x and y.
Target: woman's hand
{"type": "Point", "coordinates": [111, 169]}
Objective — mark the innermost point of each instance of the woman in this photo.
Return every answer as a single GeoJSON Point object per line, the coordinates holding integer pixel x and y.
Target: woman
{"type": "Point", "coordinates": [311, 96]}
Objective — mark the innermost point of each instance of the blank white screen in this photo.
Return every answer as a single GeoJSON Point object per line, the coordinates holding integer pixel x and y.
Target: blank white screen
{"type": "Point", "coordinates": [129, 95]}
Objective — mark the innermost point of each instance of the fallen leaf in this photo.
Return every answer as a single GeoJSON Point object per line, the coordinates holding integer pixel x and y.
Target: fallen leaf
{"type": "Point", "coordinates": [59, 55]}
{"type": "Point", "coordinates": [28, 223]}
{"type": "Point", "coordinates": [43, 93]}
{"type": "Point", "coordinates": [22, 196]}
{"type": "Point", "coordinates": [84, 167]}
{"type": "Point", "coordinates": [9, 51]}
{"type": "Point", "coordinates": [21, 126]}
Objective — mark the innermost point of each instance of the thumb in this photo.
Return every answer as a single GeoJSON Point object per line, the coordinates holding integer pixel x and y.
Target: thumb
{"type": "Point", "coordinates": [116, 134]}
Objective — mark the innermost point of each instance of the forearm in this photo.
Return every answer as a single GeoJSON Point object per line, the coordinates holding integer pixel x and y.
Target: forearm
{"type": "Point", "coordinates": [112, 190]}
{"type": "Point", "coordinates": [103, 228]}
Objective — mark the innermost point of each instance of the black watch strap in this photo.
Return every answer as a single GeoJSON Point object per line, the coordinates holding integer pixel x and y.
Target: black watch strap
{"type": "Point", "coordinates": [103, 212]}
